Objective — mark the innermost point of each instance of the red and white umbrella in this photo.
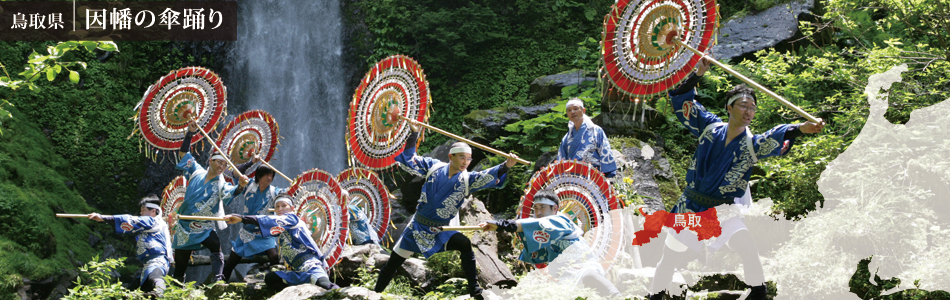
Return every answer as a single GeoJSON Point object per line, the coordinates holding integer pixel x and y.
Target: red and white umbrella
{"type": "Point", "coordinates": [161, 113]}
{"type": "Point", "coordinates": [368, 193]}
{"type": "Point", "coordinates": [320, 203]}
{"type": "Point", "coordinates": [587, 198]}
{"type": "Point", "coordinates": [394, 87]}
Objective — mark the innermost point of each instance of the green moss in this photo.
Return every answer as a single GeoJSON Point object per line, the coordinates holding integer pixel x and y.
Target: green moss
{"type": "Point", "coordinates": [34, 243]}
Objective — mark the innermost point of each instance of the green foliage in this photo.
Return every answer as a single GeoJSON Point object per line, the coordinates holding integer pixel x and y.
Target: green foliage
{"type": "Point", "coordinates": [866, 287]}
{"type": "Point", "coordinates": [33, 243]}
{"type": "Point", "coordinates": [88, 123]}
{"type": "Point", "coordinates": [480, 55]}
{"type": "Point", "coordinates": [536, 136]}
{"type": "Point", "coordinates": [95, 282]}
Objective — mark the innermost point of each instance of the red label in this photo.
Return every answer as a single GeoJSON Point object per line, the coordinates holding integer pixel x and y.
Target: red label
{"type": "Point", "coordinates": [541, 236]}
{"type": "Point", "coordinates": [276, 230]}
{"type": "Point", "coordinates": [126, 226]}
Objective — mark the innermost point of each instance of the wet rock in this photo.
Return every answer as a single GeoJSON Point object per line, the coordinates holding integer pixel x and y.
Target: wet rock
{"type": "Point", "coordinates": [489, 124]}
{"type": "Point", "coordinates": [763, 30]}
{"type": "Point", "coordinates": [372, 257]}
{"type": "Point", "coordinates": [351, 293]}
{"type": "Point", "coordinates": [299, 292]}
{"type": "Point", "coordinates": [550, 86]}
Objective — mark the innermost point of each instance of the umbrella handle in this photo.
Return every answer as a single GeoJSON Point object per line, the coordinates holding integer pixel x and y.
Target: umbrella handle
{"type": "Point", "coordinates": [749, 81]}
{"type": "Point", "coordinates": [278, 172]}
{"type": "Point", "coordinates": [202, 218]}
{"type": "Point", "coordinates": [467, 141]}
{"type": "Point", "coordinates": [215, 145]}
{"type": "Point", "coordinates": [72, 216]}
{"type": "Point", "coordinates": [460, 228]}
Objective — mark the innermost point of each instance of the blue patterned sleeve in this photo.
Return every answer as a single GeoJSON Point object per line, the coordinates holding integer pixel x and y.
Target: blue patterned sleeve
{"type": "Point", "coordinates": [691, 114]}
{"type": "Point", "coordinates": [189, 164]}
{"type": "Point", "coordinates": [133, 224]}
{"type": "Point", "coordinates": [414, 164]}
{"type": "Point", "coordinates": [770, 143]}
{"type": "Point", "coordinates": [539, 234]}
{"type": "Point", "coordinates": [485, 179]}
{"type": "Point", "coordinates": [274, 225]}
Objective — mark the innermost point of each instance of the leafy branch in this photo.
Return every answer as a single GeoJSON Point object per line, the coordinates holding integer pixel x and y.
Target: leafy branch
{"type": "Point", "coordinates": [49, 65]}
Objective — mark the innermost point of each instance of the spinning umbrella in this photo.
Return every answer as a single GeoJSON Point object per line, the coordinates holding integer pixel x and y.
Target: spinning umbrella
{"type": "Point", "coordinates": [587, 198]}
{"type": "Point", "coordinates": [394, 86]}
{"type": "Point", "coordinates": [170, 103]}
{"type": "Point", "coordinates": [321, 205]}
{"type": "Point", "coordinates": [369, 194]}
{"type": "Point", "coordinates": [251, 132]}
{"type": "Point", "coordinates": [394, 90]}
{"type": "Point", "coordinates": [172, 197]}
{"type": "Point", "coordinates": [650, 46]}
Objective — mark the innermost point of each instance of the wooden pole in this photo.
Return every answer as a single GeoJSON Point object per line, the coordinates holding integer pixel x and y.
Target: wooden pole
{"type": "Point", "coordinates": [461, 228]}
{"type": "Point", "coordinates": [214, 145]}
{"type": "Point", "coordinates": [278, 172]}
{"type": "Point", "coordinates": [72, 216]}
{"type": "Point", "coordinates": [202, 218]}
{"type": "Point", "coordinates": [749, 81]}
{"type": "Point", "coordinates": [467, 141]}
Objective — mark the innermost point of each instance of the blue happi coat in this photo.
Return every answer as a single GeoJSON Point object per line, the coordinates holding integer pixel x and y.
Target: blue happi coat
{"type": "Point", "coordinates": [546, 238]}
{"type": "Point", "coordinates": [717, 169]}
{"type": "Point", "coordinates": [296, 248]}
{"type": "Point", "coordinates": [441, 198]}
{"type": "Point", "coordinates": [152, 243]}
{"type": "Point", "coordinates": [201, 199]}
{"type": "Point", "coordinates": [250, 242]}
{"type": "Point", "coordinates": [560, 242]}
{"type": "Point", "coordinates": [361, 232]}
{"type": "Point", "coordinates": [588, 144]}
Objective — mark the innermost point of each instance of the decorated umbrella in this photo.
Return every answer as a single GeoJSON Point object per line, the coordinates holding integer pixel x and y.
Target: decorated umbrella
{"type": "Point", "coordinates": [394, 90]}
{"type": "Point", "coordinates": [395, 85]}
{"type": "Point", "coordinates": [587, 198]}
{"type": "Point", "coordinates": [369, 194]}
{"type": "Point", "coordinates": [172, 197]}
{"type": "Point", "coordinates": [651, 46]}
{"type": "Point", "coordinates": [321, 205]}
{"type": "Point", "coordinates": [251, 132]}
{"type": "Point", "coordinates": [161, 115]}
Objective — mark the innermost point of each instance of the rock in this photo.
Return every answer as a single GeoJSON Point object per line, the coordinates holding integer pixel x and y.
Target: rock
{"type": "Point", "coordinates": [299, 292]}
{"type": "Point", "coordinates": [763, 30]}
{"type": "Point", "coordinates": [492, 271]}
{"type": "Point", "coordinates": [622, 115]}
{"type": "Point", "coordinates": [490, 124]}
{"type": "Point", "coordinates": [352, 260]}
{"type": "Point", "coordinates": [550, 86]}
{"type": "Point", "coordinates": [545, 159]}
{"type": "Point", "coordinates": [413, 269]}
{"type": "Point", "coordinates": [644, 172]}
{"type": "Point", "coordinates": [351, 293]}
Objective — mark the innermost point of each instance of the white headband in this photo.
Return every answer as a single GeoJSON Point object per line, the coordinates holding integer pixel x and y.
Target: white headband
{"type": "Point", "coordinates": [577, 102]}
{"type": "Point", "coordinates": [737, 96]}
{"type": "Point", "coordinates": [218, 156]}
{"type": "Point", "coordinates": [287, 199]}
{"type": "Point", "coordinates": [541, 200]}
{"type": "Point", "coordinates": [461, 149]}
{"type": "Point", "coordinates": [154, 206]}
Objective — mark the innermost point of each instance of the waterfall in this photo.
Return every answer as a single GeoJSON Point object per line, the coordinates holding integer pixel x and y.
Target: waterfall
{"type": "Point", "coordinates": [287, 60]}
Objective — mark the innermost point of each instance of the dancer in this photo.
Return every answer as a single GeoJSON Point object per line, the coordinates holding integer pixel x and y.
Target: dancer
{"type": "Point", "coordinates": [444, 191]}
{"type": "Point", "coordinates": [206, 195]}
{"type": "Point", "coordinates": [719, 173]}
{"type": "Point", "coordinates": [152, 244]}
{"type": "Point", "coordinates": [297, 248]}
{"type": "Point", "coordinates": [258, 198]}
{"type": "Point", "coordinates": [551, 234]}
{"type": "Point", "coordinates": [585, 141]}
